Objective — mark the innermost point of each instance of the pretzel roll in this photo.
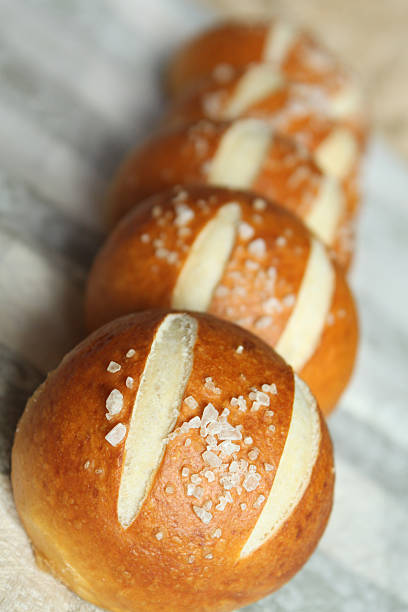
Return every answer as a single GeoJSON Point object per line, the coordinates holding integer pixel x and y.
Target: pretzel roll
{"type": "Point", "coordinates": [241, 258]}
{"type": "Point", "coordinates": [235, 44]}
{"type": "Point", "coordinates": [245, 154]}
{"type": "Point", "coordinates": [161, 468]}
{"type": "Point", "coordinates": [325, 123]}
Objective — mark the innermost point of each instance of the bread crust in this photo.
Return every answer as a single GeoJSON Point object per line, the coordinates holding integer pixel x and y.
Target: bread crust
{"type": "Point", "coordinates": [128, 275]}
{"type": "Point", "coordinates": [303, 111]}
{"type": "Point", "coordinates": [66, 476]}
{"type": "Point", "coordinates": [183, 155]}
{"type": "Point", "coordinates": [236, 44]}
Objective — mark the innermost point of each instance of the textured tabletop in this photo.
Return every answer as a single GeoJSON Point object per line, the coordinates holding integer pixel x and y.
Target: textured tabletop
{"type": "Point", "coordinates": [79, 83]}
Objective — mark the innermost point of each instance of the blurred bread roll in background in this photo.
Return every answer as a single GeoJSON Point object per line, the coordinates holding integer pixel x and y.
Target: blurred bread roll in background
{"type": "Point", "coordinates": [245, 154]}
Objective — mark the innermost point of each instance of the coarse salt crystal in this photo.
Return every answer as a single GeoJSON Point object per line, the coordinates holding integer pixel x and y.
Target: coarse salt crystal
{"type": "Point", "coordinates": [129, 382]}
{"type": "Point", "coordinates": [257, 247]}
{"type": "Point", "coordinates": [272, 428]}
{"type": "Point", "coordinates": [184, 215]}
{"type": "Point", "coordinates": [194, 423]}
{"type": "Point", "coordinates": [191, 559]}
{"type": "Point", "coordinates": [260, 397]}
{"type": "Point", "coordinates": [159, 535]}
{"type": "Point", "coordinates": [228, 432]}
{"type": "Point", "coordinates": [114, 403]}
{"type": "Point", "coordinates": [259, 501]}
{"type": "Point", "coordinates": [214, 428]}
{"type": "Point", "coordinates": [239, 402]}
{"type": "Point", "coordinates": [239, 349]}
{"type": "Point", "coordinates": [269, 413]}
{"type": "Point", "coordinates": [210, 386]}
{"type": "Point", "coordinates": [202, 514]}
{"type": "Point", "coordinates": [195, 491]}
{"type": "Point", "coordinates": [185, 472]}
{"type": "Point", "coordinates": [259, 204]}
{"type": "Point", "coordinates": [243, 507]}
{"type": "Point", "coordinates": [130, 353]}
{"type": "Point", "coordinates": [268, 467]}
{"type": "Point", "coordinates": [270, 389]}
{"type": "Point", "coordinates": [209, 475]}
{"type": "Point", "coordinates": [113, 367]}
{"type": "Point", "coordinates": [263, 322]}
{"type": "Point", "coordinates": [272, 305]}
{"type": "Point", "coordinates": [289, 300]}
{"type": "Point", "coordinates": [187, 442]}
{"type": "Point", "coordinates": [211, 458]}
{"type": "Point", "coordinates": [280, 241]}
{"type": "Point", "coordinates": [227, 447]}
{"type": "Point", "coordinates": [248, 440]}
{"type": "Point", "coordinates": [251, 481]}
{"type": "Point", "coordinates": [116, 435]}
{"type": "Point", "coordinates": [191, 402]}
{"type": "Point", "coordinates": [145, 238]}
{"type": "Point", "coordinates": [253, 454]}
{"type": "Point", "coordinates": [246, 231]}
{"type": "Point", "coordinates": [87, 464]}
{"type": "Point", "coordinates": [209, 556]}
{"type": "Point", "coordinates": [217, 533]}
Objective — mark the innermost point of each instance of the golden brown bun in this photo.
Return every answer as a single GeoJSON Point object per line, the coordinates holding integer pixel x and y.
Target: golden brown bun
{"type": "Point", "coordinates": [66, 476]}
{"type": "Point", "coordinates": [235, 44]}
{"type": "Point", "coordinates": [305, 111]}
{"type": "Point", "coordinates": [284, 172]}
{"type": "Point", "coordinates": [258, 285]}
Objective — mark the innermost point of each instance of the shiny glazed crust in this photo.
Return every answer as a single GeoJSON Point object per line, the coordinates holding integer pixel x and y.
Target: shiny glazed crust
{"type": "Point", "coordinates": [140, 263]}
{"type": "Point", "coordinates": [66, 476]}
{"type": "Point", "coordinates": [182, 155]}
{"type": "Point", "coordinates": [236, 44]}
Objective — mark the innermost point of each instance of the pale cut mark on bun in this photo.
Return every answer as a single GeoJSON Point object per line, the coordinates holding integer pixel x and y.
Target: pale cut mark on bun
{"type": "Point", "coordinates": [256, 84]}
{"type": "Point", "coordinates": [279, 40]}
{"type": "Point", "coordinates": [327, 210]}
{"type": "Point", "coordinates": [155, 411]}
{"type": "Point", "coordinates": [207, 259]}
{"type": "Point", "coordinates": [337, 154]}
{"type": "Point", "coordinates": [347, 102]}
{"type": "Point", "coordinates": [240, 154]}
{"type": "Point", "coordinates": [294, 471]}
{"type": "Point", "coordinates": [301, 335]}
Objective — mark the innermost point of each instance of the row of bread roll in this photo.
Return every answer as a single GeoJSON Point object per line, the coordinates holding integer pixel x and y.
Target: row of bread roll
{"type": "Point", "coordinates": [245, 154]}
{"type": "Point", "coordinates": [241, 258]}
{"type": "Point", "coordinates": [173, 461]}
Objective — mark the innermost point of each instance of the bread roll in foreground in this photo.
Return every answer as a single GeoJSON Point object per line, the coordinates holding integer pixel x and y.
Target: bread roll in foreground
{"type": "Point", "coordinates": [172, 462]}
{"type": "Point", "coordinates": [235, 44]}
{"type": "Point", "coordinates": [241, 258]}
{"type": "Point", "coordinates": [245, 154]}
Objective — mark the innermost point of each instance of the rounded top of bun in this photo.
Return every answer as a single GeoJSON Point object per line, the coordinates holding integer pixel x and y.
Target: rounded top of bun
{"type": "Point", "coordinates": [236, 43]}
{"type": "Point", "coordinates": [242, 258]}
{"type": "Point", "coordinates": [142, 467]}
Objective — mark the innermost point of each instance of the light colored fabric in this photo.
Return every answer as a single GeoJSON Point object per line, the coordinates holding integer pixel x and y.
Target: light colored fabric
{"type": "Point", "coordinates": [79, 84]}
